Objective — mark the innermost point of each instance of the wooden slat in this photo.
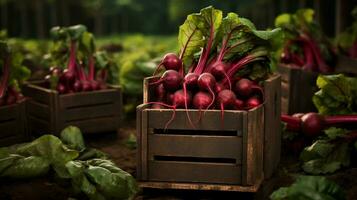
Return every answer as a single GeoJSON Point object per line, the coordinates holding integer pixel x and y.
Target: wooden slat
{"type": "Point", "coordinates": [139, 109]}
{"type": "Point", "coordinates": [89, 98]}
{"type": "Point", "coordinates": [285, 89]}
{"type": "Point", "coordinates": [38, 93]}
{"type": "Point", "coordinates": [199, 186]}
{"type": "Point", "coordinates": [210, 120]}
{"type": "Point", "coordinates": [144, 145]}
{"type": "Point", "coordinates": [38, 126]}
{"type": "Point", "coordinates": [346, 65]}
{"type": "Point", "coordinates": [39, 110]}
{"type": "Point", "coordinates": [194, 172]}
{"type": "Point", "coordinates": [285, 72]}
{"type": "Point", "coordinates": [148, 91]}
{"type": "Point", "coordinates": [90, 112]}
{"type": "Point", "coordinates": [254, 150]}
{"type": "Point", "coordinates": [284, 105]}
{"type": "Point", "coordinates": [91, 125]}
{"type": "Point", "coordinates": [196, 146]}
{"type": "Point", "coordinates": [14, 139]}
{"type": "Point", "coordinates": [8, 112]}
{"type": "Point", "coordinates": [272, 124]}
{"type": "Point", "coordinates": [9, 128]}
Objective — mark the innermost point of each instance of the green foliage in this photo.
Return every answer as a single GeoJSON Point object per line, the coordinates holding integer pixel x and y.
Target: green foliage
{"type": "Point", "coordinates": [87, 169]}
{"type": "Point", "coordinates": [327, 154]}
{"type": "Point", "coordinates": [18, 72]}
{"type": "Point", "coordinates": [310, 188]}
{"type": "Point", "coordinates": [337, 94]}
{"type": "Point", "coordinates": [348, 37]}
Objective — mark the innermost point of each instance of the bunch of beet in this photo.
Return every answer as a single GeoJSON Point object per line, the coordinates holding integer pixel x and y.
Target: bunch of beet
{"type": "Point", "coordinates": [206, 74]}
{"type": "Point", "coordinates": [11, 76]}
{"type": "Point", "coordinates": [75, 78]}
{"type": "Point", "coordinates": [207, 90]}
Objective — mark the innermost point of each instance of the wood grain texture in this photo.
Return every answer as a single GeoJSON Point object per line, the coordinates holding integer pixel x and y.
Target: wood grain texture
{"type": "Point", "coordinates": [194, 172]}
{"type": "Point", "coordinates": [93, 112]}
{"type": "Point", "coordinates": [272, 126]}
{"type": "Point", "coordinates": [198, 186]}
{"type": "Point", "coordinates": [297, 83]}
{"type": "Point", "coordinates": [196, 146]}
{"type": "Point", "coordinates": [13, 124]}
{"type": "Point", "coordinates": [183, 157]}
{"type": "Point", "coordinates": [346, 65]}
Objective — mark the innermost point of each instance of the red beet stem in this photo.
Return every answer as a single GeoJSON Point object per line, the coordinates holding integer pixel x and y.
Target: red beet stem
{"type": "Point", "coordinates": [293, 123]}
{"type": "Point", "coordinates": [340, 119]}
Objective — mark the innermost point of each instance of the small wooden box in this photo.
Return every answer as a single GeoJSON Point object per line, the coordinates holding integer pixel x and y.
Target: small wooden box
{"type": "Point", "coordinates": [234, 156]}
{"type": "Point", "coordinates": [13, 124]}
{"type": "Point", "coordinates": [297, 89]}
{"type": "Point", "coordinates": [93, 112]}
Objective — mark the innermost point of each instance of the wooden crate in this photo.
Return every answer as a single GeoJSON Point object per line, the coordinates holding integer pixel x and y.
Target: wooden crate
{"type": "Point", "coordinates": [297, 89]}
{"type": "Point", "coordinates": [92, 112]}
{"type": "Point", "coordinates": [346, 65]}
{"type": "Point", "coordinates": [13, 123]}
{"type": "Point", "coordinates": [233, 156]}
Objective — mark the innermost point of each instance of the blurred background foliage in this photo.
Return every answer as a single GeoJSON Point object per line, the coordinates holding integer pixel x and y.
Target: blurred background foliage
{"type": "Point", "coordinates": [33, 18]}
{"type": "Point", "coordinates": [136, 33]}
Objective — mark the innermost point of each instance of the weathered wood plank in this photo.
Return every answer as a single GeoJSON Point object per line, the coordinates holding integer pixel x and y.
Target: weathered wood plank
{"type": "Point", "coordinates": [91, 125]}
{"type": "Point", "coordinates": [88, 98]}
{"type": "Point", "coordinates": [9, 128]}
{"type": "Point", "coordinates": [144, 145]}
{"type": "Point", "coordinates": [272, 125]}
{"type": "Point", "coordinates": [194, 172]}
{"type": "Point", "coordinates": [89, 112]}
{"type": "Point", "coordinates": [196, 146]}
{"type": "Point", "coordinates": [346, 65]}
{"type": "Point", "coordinates": [198, 186]}
{"type": "Point", "coordinates": [209, 121]}
{"type": "Point", "coordinates": [38, 93]}
{"type": "Point", "coordinates": [39, 110]}
{"type": "Point", "coordinates": [8, 112]}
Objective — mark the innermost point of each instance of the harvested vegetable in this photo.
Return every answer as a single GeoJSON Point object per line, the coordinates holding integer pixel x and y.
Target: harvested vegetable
{"type": "Point", "coordinates": [88, 170]}
{"type": "Point", "coordinates": [87, 69]}
{"type": "Point", "coordinates": [13, 73]}
{"type": "Point", "coordinates": [347, 40]}
{"type": "Point", "coordinates": [310, 188]}
{"type": "Point", "coordinates": [304, 44]}
{"type": "Point", "coordinates": [337, 95]}
{"type": "Point", "coordinates": [216, 55]}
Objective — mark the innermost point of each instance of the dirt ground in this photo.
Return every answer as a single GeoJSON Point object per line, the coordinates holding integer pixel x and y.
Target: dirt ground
{"type": "Point", "coordinates": [115, 146]}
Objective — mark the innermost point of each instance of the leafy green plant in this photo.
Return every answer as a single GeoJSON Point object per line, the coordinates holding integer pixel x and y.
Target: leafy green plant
{"type": "Point", "coordinates": [75, 51]}
{"type": "Point", "coordinates": [337, 95]}
{"type": "Point", "coordinates": [310, 188]}
{"type": "Point", "coordinates": [304, 44]}
{"type": "Point", "coordinates": [347, 40]}
{"type": "Point", "coordinates": [88, 170]}
{"type": "Point", "coordinates": [13, 73]}
{"type": "Point", "coordinates": [330, 152]}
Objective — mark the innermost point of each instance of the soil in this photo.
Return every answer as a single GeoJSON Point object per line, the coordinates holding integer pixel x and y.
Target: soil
{"type": "Point", "coordinates": [115, 145]}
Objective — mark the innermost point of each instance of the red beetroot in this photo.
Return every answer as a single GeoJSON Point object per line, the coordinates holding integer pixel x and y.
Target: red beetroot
{"type": "Point", "coordinates": [202, 100]}
{"type": "Point", "coordinates": [171, 62]}
{"type": "Point", "coordinates": [253, 102]}
{"type": "Point", "coordinates": [244, 87]}
{"type": "Point", "coordinates": [170, 79]}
